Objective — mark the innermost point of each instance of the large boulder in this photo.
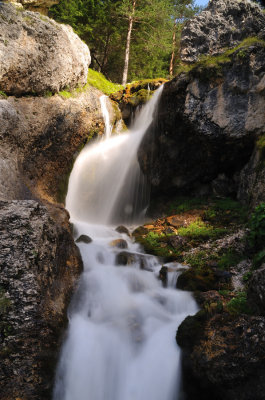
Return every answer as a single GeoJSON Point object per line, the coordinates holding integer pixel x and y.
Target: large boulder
{"type": "Point", "coordinates": [38, 55]}
{"type": "Point", "coordinates": [256, 291]}
{"type": "Point", "coordinates": [40, 265]}
{"type": "Point", "coordinates": [223, 24]}
{"type": "Point", "coordinates": [40, 137]}
{"type": "Point", "coordinates": [207, 123]}
{"type": "Point", "coordinates": [224, 357]}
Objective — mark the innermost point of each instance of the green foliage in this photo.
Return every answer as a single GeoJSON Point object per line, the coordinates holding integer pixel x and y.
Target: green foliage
{"type": "Point", "coordinates": [239, 305]}
{"type": "Point", "coordinates": [3, 94]}
{"type": "Point", "coordinates": [259, 259]}
{"type": "Point", "coordinates": [229, 259]}
{"type": "Point", "coordinates": [182, 204]}
{"type": "Point", "coordinates": [103, 25]}
{"type": "Point", "coordinates": [257, 228]}
{"type": "Point", "coordinates": [200, 230]}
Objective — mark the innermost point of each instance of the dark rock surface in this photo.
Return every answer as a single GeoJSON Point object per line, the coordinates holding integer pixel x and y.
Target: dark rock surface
{"type": "Point", "coordinates": [256, 291]}
{"type": "Point", "coordinates": [223, 24]}
{"type": "Point", "coordinates": [38, 54]}
{"type": "Point", "coordinates": [207, 124]}
{"type": "Point", "coordinates": [39, 267]}
{"type": "Point", "coordinates": [227, 357]}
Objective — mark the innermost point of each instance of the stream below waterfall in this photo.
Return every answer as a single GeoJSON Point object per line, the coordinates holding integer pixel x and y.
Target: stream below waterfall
{"type": "Point", "coordinates": [120, 343]}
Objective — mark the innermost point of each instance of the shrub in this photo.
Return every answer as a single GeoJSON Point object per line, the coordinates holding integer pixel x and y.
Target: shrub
{"type": "Point", "coordinates": [239, 305]}
{"type": "Point", "coordinates": [257, 228]}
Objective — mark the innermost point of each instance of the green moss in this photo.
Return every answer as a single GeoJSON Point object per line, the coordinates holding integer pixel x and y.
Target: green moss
{"type": "Point", "coordinates": [140, 97]}
{"type": "Point", "coordinates": [200, 229]}
{"type": "Point", "coordinates": [157, 244]}
{"type": "Point", "coordinates": [99, 81]}
{"type": "Point", "coordinates": [3, 94]}
{"type": "Point", "coordinates": [211, 66]}
{"type": "Point", "coordinates": [201, 279]}
{"type": "Point", "coordinates": [66, 94]}
{"type": "Point", "coordinates": [239, 305]}
{"type": "Point", "coordinates": [229, 259]}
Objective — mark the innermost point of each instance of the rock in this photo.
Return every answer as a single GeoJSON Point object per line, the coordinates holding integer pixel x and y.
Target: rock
{"type": "Point", "coordinates": [198, 279]}
{"type": "Point", "coordinates": [256, 291]}
{"type": "Point", "coordinates": [190, 330]}
{"type": "Point", "coordinates": [123, 229]}
{"type": "Point", "coordinates": [40, 138]}
{"type": "Point", "coordinates": [141, 230]}
{"type": "Point", "coordinates": [38, 55]}
{"type": "Point", "coordinates": [223, 24]}
{"type": "Point", "coordinates": [206, 125]}
{"type": "Point", "coordinates": [177, 241]}
{"type": "Point", "coordinates": [238, 273]}
{"type": "Point", "coordinates": [40, 265]}
{"type": "Point", "coordinates": [41, 6]}
{"type": "Point", "coordinates": [129, 258]}
{"type": "Point", "coordinates": [84, 239]}
{"type": "Point", "coordinates": [226, 357]}
{"type": "Point", "coordinates": [163, 275]}
{"type": "Point", "coordinates": [120, 243]}
{"type": "Point", "coordinates": [252, 179]}
{"type": "Point", "coordinates": [222, 186]}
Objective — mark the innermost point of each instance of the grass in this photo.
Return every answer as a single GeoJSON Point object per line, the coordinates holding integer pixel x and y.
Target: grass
{"type": "Point", "coordinates": [201, 230]}
{"type": "Point", "coordinates": [99, 81]}
{"type": "Point", "coordinates": [238, 305]}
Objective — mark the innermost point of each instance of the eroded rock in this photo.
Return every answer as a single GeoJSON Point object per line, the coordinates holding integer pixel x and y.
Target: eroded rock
{"type": "Point", "coordinates": [39, 268]}
{"type": "Point", "coordinates": [223, 24]}
{"type": "Point", "coordinates": [38, 55]}
{"type": "Point", "coordinates": [256, 291]}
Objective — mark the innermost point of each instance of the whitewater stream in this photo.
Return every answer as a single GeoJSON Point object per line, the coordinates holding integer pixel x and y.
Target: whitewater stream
{"type": "Point", "coordinates": [120, 343]}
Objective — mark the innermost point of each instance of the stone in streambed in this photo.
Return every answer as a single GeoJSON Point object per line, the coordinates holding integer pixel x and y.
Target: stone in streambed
{"type": "Point", "coordinates": [84, 239]}
{"type": "Point", "coordinates": [123, 229]}
{"type": "Point", "coordinates": [120, 243]}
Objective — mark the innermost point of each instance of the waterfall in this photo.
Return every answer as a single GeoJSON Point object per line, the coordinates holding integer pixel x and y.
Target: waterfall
{"type": "Point", "coordinates": [120, 343]}
{"type": "Point", "coordinates": [106, 117]}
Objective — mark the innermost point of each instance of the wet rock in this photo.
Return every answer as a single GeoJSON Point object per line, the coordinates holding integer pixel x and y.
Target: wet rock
{"type": "Point", "coordinates": [256, 291]}
{"type": "Point", "coordinates": [238, 273]}
{"type": "Point", "coordinates": [163, 275]}
{"type": "Point", "coordinates": [84, 239]}
{"type": "Point", "coordinates": [120, 243]}
{"type": "Point", "coordinates": [191, 329]}
{"type": "Point", "coordinates": [40, 265]}
{"type": "Point", "coordinates": [129, 258]}
{"type": "Point", "coordinates": [141, 230]}
{"type": "Point", "coordinates": [223, 24]}
{"type": "Point", "coordinates": [123, 229]}
{"type": "Point", "coordinates": [39, 55]}
{"type": "Point", "coordinates": [195, 279]}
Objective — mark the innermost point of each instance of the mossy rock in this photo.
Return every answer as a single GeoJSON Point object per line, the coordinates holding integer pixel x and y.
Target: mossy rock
{"type": "Point", "coordinates": [198, 280]}
{"type": "Point", "coordinates": [191, 330]}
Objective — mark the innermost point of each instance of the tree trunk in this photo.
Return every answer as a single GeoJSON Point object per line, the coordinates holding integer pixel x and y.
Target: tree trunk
{"type": "Point", "coordinates": [128, 42]}
{"type": "Point", "coordinates": [171, 66]}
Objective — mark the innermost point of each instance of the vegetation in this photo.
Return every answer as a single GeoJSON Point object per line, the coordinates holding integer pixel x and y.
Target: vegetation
{"type": "Point", "coordinates": [141, 35]}
{"type": "Point", "coordinates": [3, 94]}
{"type": "Point", "coordinates": [238, 304]}
{"type": "Point", "coordinates": [199, 229]}
{"type": "Point", "coordinates": [257, 228]}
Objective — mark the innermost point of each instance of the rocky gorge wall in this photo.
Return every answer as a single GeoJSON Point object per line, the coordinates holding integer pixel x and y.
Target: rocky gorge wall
{"type": "Point", "coordinates": [211, 115]}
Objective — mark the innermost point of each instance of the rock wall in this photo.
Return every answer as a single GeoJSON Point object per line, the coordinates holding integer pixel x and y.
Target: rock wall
{"type": "Point", "coordinates": [223, 24]}
{"type": "Point", "coordinates": [39, 268]}
{"type": "Point", "coordinates": [38, 55]}
{"type": "Point", "coordinates": [207, 124]}
{"type": "Point", "coordinates": [41, 6]}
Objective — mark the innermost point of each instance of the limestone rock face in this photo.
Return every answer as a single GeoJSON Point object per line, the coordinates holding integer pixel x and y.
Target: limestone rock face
{"type": "Point", "coordinates": [40, 137]}
{"type": "Point", "coordinates": [223, 24]}
{"type": "Point", "coordinates": [39, 55]}
{"type": "Point", "coordinates": [41, 6]}
{"type": "Point", "coordinates": [39, 267]}
{"type": "Point", "coordinates": [207, 124]}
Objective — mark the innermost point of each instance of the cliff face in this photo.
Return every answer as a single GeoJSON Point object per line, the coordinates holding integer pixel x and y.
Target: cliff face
{"type": "Point", "coordinates": [224, 24]}
{"type": "Point", "coordinates": [209, 119]}
{"type": "Point", "coordinates": [41, 6]}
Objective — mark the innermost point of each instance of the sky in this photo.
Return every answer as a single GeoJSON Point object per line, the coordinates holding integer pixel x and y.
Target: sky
{"type": "Point", "coordinates": [202, 2]}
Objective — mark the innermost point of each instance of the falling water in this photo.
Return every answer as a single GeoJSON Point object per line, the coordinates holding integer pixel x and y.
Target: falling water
{"type": "Point", "coordinates": [106, 117]}
{"type": "Point", "coordinates": [120, 343]}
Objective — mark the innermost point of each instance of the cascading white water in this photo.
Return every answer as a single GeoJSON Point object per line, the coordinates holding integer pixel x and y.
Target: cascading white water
{"type": "Point", "coordinates": [122, 323]}
{"type": "Point", "coordinates": [106, 117]}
